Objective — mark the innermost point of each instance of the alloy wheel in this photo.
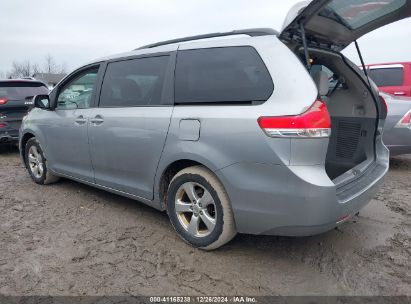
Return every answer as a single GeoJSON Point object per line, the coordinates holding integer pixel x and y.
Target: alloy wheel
{"type": "Point", "coordinates": [195, 209]}
{"type": "Point", "coordinates": [35, 162]}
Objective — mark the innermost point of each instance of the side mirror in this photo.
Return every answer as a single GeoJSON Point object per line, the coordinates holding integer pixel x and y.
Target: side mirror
{"type": "Point", "coordinates": [41, 101]}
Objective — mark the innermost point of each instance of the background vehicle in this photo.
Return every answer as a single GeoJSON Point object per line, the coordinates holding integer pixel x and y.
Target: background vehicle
{"type": "Point", "coordinates": [214, 131]}
{"type": "Point", "coordinates": [15, 100]}
{"type": "Point", "coordinates": [392, 78]}
{"type": "Point", "coordinates": [397, 129]}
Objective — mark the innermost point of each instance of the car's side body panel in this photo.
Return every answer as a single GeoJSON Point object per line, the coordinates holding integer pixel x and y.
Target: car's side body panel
{"type": "Point", "coordinates": [397, 138]}
{"type": "Point", "coordinates": [70, 155]}
{"type": "Point", "coordinates": [267, 179]}
{"type": "Point", "coordinates": [126, 148]}
{"type": "Point", "coordinates": [239, 122]}
{"type": "Point", "coordinates": [136, 137]}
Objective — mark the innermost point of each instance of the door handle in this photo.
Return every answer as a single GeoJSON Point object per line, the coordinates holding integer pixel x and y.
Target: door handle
{"type": "Point", "coordinates": [98, 120]}
{"type": "Point", "coordinates": [399, 93]}
{"type": "Point", "coordinates": [80, 120]}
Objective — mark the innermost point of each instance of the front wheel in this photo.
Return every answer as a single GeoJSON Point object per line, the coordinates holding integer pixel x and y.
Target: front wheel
{"type": "Point", "coordinates": [36, 163]}
{"type": "Point", "coordinates": [199, 209]}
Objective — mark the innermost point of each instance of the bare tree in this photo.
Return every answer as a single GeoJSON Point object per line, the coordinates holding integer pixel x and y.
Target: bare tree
{"type": "Point", "coordinates": [63, 68]}
{"type": "Point", "coordinates": [26, 68]}
{"type": "Point", "coordinates": [51, 66]}
{"type": "Point", "coordinates": [23, 69]}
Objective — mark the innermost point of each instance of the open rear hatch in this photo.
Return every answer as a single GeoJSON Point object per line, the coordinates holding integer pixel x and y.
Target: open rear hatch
{"type": "Point", "coordinates": [334, 24]}
{"type": "Point", "coordinates": [317, 31]}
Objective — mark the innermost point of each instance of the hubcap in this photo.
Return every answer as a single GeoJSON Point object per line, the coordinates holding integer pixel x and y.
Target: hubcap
{"type": "Point", "coordinates": [195, 209]}
{"type": "Point", "coordinates": [35, 162]}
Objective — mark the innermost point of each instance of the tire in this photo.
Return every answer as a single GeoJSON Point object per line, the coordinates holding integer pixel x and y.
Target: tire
{"type": "Point", "coordinates": [36, 163]}
{"type": "Point", "coordinates": [203, 219]}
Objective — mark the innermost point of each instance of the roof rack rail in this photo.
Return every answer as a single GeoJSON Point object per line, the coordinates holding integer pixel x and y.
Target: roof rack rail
{"type": "Point", "coordinates": [250, 32]}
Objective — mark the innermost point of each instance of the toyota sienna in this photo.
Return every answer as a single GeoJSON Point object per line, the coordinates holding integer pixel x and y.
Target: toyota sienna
{"type": "Point", "coordinates": [258, 132]}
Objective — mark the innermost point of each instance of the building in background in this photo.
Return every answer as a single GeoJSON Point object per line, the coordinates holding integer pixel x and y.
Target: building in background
{"type": "Point", "coordinates": [49, 78]}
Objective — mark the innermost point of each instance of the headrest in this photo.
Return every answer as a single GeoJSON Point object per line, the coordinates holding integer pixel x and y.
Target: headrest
{"type": "Point", "coordinates": [322, 82]}
{"type": "Point", "coordinates": [128, 89]}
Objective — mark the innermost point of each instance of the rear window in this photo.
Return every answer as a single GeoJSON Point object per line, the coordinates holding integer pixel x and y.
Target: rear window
{"type": "Point", "coordinates": [387, 77]}
{"type": "Point", "coordinates": [222, 75]}
{"type": "Point", "coordinates": [356, 13]}
{"type": "Point", "coordinates": [20, 91]}
{"type": "Point", "coordinates": [136, 82]}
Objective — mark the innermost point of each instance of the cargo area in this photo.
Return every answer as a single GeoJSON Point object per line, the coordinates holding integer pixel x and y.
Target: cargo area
{"type": "Point", "coordinates": [352, 109]}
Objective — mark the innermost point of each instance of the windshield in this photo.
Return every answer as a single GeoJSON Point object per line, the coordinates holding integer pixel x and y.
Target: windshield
{"type": "Point", "coordinates": [20, 91]}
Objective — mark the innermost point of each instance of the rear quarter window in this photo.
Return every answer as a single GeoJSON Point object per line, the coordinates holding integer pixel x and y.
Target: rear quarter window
{"type": "Point", "coordinates": [222, 75]}
{"type": "Point", "coordinates": [21, 91]}
{"type": "Point", "coordinates": [387, 77]}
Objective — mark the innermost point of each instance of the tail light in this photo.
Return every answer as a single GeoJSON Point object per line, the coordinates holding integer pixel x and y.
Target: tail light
{"type": "Point", "coordinates": [313, 123]}
{"type": "Point", "coordinates": [405, 122]}
{"type": "Point", "coordinates": [3, 101]}
{"type": "Point", "coordinates": [2, 125]}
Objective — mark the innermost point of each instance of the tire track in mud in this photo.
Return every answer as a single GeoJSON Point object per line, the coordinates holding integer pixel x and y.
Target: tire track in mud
{"type": "Point", "coordinates": [71, 239]}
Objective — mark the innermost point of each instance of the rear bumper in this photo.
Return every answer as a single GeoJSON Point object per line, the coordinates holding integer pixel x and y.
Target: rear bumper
{"type": "Point", "coordinates": [399, 149]}
{"type": "Point", "coordinates": [295, 200]}
{"type": "Point", "coordinates": [398, 140]}
{"type": "Point", "coordinates": [10, 132]}
{"type": "Point", "coordinates": [6, 137]}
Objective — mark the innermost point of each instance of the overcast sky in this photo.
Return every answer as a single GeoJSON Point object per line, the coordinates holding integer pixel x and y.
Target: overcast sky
{"type": "Point", "coordinates": [77, 31]}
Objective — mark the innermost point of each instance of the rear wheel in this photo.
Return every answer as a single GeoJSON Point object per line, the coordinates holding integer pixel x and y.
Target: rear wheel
{"type": "Point", "coordinates": [36, 163]}
{"type": "Point", "coordinates": [199, 208]}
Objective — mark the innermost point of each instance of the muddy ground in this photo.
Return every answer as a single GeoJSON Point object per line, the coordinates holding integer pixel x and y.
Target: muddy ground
{"type": "Point", "coordinates": [71, 239]}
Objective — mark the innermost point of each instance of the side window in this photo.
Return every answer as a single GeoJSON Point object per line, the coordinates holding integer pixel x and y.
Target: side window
{"type": "Point", "coordinates": [222, 75]}
{"type": "Point", "coordinates": [135, 82]}
{"type": "Point", "coordinates": [387, 77]}
{"type": "Point", "coordinates": [78, 92]}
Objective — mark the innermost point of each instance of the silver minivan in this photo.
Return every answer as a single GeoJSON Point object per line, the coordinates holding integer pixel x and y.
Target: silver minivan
{"type": "Point", "coordinates": [258, 132]}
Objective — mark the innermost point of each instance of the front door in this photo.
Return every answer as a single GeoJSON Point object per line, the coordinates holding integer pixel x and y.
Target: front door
{"type": "Point", "coordinates": [129, 128]}
{"type": "Point", "coordinates": [67, 129]}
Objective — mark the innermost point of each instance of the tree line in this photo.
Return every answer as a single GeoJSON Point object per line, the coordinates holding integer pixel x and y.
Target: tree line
{"type": "Point", "coordinates": [27, 68]}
